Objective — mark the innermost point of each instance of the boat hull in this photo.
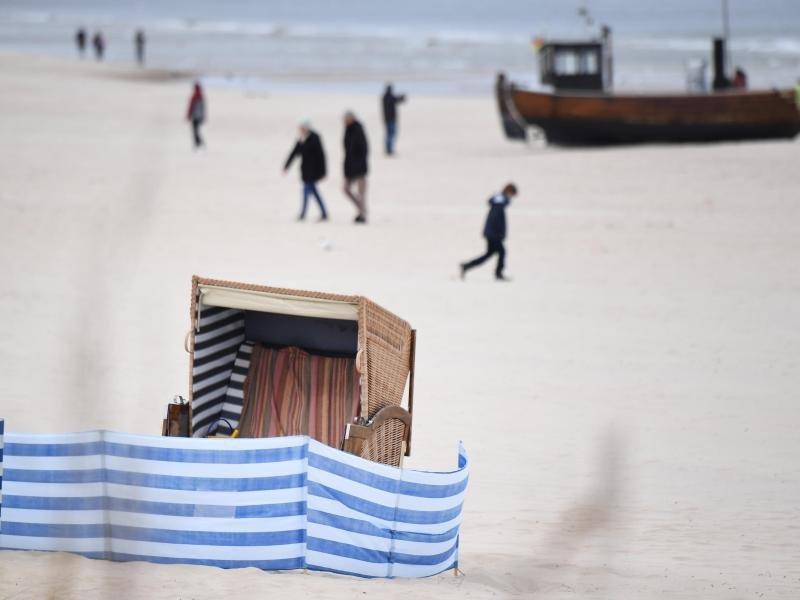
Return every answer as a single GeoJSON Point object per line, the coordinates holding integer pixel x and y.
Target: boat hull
{"type": "Point", "coordinates": [575, 119]}
{"type": "Point", "coordinates": [594, 132]}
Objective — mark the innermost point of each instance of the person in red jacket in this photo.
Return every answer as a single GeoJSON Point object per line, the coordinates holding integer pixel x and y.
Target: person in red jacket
{"type": "Point", "coordinates": [196, 114]}
{"type": "Point", "coordinates": [739, 79]}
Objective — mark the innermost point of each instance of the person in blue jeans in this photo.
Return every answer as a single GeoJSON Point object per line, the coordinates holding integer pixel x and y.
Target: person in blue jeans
{"type": "Point", "coordinates": [390, 102]}
{"type": "Point", "coordinates": [495, 232]}
{"type": "Point", "coordinates": [312, 167]}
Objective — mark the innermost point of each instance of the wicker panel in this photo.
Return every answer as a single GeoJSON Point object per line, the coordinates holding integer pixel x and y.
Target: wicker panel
{"type": "Point", "coordinates": [386, 341]}
{"type": "Point", "coordinates": [386, 445]}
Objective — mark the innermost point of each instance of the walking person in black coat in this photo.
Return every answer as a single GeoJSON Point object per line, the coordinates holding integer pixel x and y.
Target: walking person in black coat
{"type": "Point", "coordinates": [312, 167]}
{"type": "Point", "coordinates": [80, 41]}
{"type": "Point", "coordinates": [99, 43]}
{"type": "Point", "coordinates": [138, 43]}
{"type": "Point", "coordinates": [390, 102]}
{"type": "Point", "coordinates": [356, 151]}
{"type": "Point", "coordinates": [495, 232]}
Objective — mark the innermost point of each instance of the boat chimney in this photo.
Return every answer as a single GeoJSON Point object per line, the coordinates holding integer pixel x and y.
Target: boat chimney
{"type": "Point", "coordinates": [721, 82]}
{"type": "Point", "coordinates": [608, 61]}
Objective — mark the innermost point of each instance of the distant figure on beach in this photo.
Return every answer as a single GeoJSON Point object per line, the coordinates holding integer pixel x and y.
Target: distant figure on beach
{"type": "Point", "coordinates": [99, 43]}
{"type": "Point", "coordinates": [495, 232]}
{"type": "Point", "coordinates": [80, 41]}
{"type": "Point", "coordinates": [312, 167]}
{"type": "Point", "coordinates": [138, 42]}
{"type": "Point", "coordinates": [739, 79]}
{"type": "Point", "coordinates": [356, 151]}
{"type": "Point", "coordinates": [390, 102]}
{"type": "Point", "coordinates": [196, 114]}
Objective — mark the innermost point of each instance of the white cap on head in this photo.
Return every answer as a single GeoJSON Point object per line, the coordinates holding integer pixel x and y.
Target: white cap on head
{"type": "Point", "coordinates": [306, 124]}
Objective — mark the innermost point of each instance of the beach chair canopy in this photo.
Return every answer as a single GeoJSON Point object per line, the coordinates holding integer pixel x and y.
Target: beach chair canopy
{"type": "Point", "coordinates": [271, 361]}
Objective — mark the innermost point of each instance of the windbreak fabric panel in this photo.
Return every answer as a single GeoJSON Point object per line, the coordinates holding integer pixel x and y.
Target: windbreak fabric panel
{"type": "Point", "coordinates": [270, 503]}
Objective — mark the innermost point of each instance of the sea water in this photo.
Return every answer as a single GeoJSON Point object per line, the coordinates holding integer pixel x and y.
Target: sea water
{"type": "Point", "coordinates": [426, 46]}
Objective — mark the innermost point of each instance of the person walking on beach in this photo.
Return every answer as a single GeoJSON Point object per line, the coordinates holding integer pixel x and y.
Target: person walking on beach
{"type": "Point", "coordinates": [99, 43]}
{"type": "Point", "coordinates": [138, 42]}
{"type": "Point", "coordinates": [495, 232]}
{"type": "Point", "coordinates": [312, 167]}
{"type": "Point", "coordinates": [390, 102]}
{"type": "Point", "coordinates": [80, 41]}
{"type": "Point", "coordinates": [196, 114]}
{"type": "Point", "coordinates": [356, 151]}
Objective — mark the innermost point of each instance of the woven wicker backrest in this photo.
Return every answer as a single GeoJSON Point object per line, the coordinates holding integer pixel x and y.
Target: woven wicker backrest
{"type": "Point", "coordinates": [384, 357]}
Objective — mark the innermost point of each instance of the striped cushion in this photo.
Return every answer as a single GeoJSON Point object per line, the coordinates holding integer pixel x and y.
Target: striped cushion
{"type": "Point", "coordinates": [292, 392]}
{"type": "Point", "coordinates": [232, 408]}
{"type": "Point", "coordinates": [217, 342]}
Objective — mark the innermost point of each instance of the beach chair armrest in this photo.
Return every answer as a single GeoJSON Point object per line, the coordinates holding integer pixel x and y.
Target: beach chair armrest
{"type": "Point", "coordinates": [359, 437]}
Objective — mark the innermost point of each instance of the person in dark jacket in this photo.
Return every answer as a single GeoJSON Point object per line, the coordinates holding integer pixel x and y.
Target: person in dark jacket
{"type": "Point", "coordinates": [356, 151]}
{"type": "Point", "coordinates": [99, 43]}
{"type": "Point", "coordinates": [312, 167]}
{"type": "Point", "coordinates": [80, 41]}
{"type": "Point", "coordinates": [390, 102]}
{"type": "Point", "coordinates": [495, 232]}
{"type": "Point", "coordinates": [139, 42]}
{"type": "Point", "coordinates": [196, 114]}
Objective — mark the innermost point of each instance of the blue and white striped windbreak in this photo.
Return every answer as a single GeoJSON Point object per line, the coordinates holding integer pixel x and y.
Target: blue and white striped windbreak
{"type": "Point", "coordinates": [275, 503]}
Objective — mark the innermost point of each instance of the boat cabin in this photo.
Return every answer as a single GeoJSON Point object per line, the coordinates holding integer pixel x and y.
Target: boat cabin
{"type": "Point", "coordinates": [572, 65]}
{"type": "Point", "coordinates": [577, 65]}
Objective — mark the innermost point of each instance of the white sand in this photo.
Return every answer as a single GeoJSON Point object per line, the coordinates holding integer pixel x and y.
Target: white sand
{"type": "Point", "coordinates": [629, 401]}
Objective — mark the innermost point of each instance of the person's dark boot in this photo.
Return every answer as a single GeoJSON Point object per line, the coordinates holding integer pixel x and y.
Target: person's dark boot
{"type": "Point", "coordinates": [463, 271]}
{"type": "Point", "coordinates": [501, 277]}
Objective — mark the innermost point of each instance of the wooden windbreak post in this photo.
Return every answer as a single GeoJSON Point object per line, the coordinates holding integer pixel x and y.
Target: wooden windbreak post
{"type": "Point", "coordinates": [412, 357]}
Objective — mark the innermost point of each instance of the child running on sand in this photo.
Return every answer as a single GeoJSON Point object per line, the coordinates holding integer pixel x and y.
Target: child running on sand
{"type": "Point", "coordinates": [495, 232]}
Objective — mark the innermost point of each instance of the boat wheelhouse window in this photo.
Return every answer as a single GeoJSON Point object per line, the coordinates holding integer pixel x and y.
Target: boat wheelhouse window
{"type": "Point", "coordinates": [566, 63]}
{"type": "Point", "coordinates": [590, 63]}
{"type": "Point", "coordinates": [572, 62]}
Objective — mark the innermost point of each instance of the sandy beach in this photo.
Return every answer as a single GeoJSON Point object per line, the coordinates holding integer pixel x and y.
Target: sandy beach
{"type": "Point", "coordinates": [628, 401]}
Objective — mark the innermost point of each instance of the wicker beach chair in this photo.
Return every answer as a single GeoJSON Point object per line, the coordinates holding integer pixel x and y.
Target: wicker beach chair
{"type": "Point", "coordinates": [229, 320]}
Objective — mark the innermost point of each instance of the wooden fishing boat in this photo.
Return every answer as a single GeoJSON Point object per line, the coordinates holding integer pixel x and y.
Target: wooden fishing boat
{"type": "Point", "coordinates": [582, 110]}
{"type": "Point", "coordinates": [584, 119]}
